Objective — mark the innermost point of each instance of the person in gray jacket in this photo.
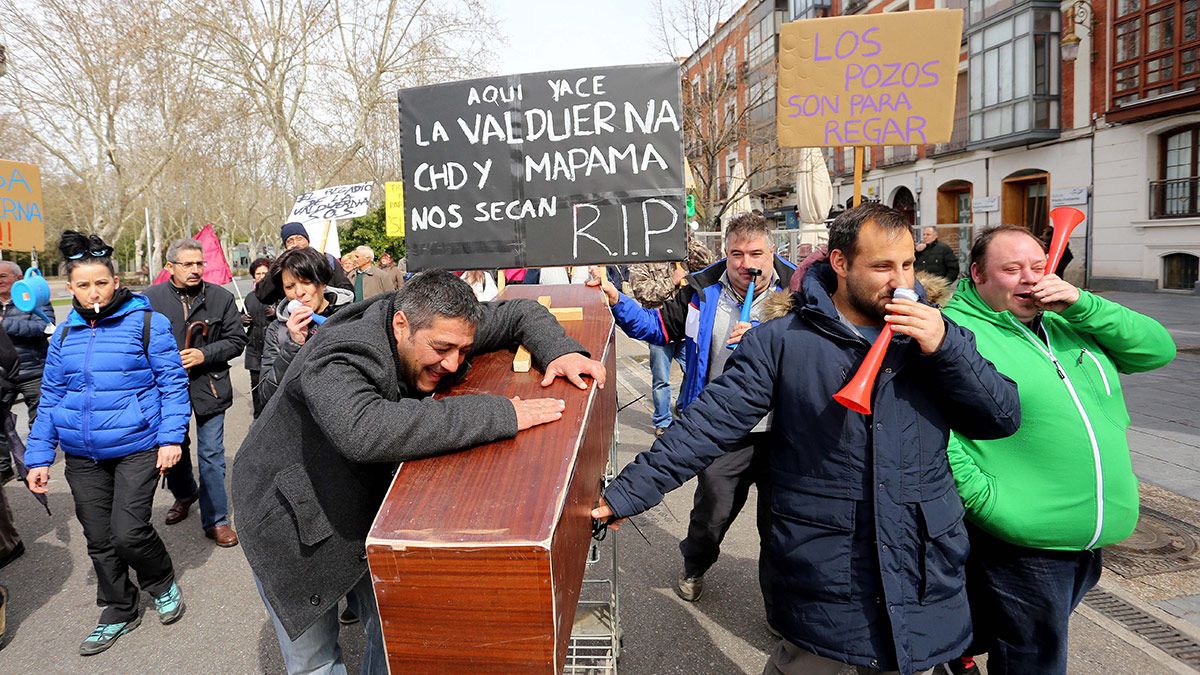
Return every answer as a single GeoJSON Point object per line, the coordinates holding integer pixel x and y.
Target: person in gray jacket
{"type": "Point", "coordinates": [315, 467]}
{"type": "Point", "coordinates": [304, 278]}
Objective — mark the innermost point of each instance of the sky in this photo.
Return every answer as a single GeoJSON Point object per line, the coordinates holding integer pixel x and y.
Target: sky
{"type": "Point", "coordinates": [565, 34]}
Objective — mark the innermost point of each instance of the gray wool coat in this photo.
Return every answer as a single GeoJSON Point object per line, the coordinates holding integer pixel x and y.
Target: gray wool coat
{"type": "Point", "coordinates": [315, 467]}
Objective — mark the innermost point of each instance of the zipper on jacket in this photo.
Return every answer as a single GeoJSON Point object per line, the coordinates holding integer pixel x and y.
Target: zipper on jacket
{"type": "Point", "coordinates": [87, 386]}
{"type": "Point", "coordinates": [1048, 351]}
{"type": "Point", "coordinates": [1099, 369]}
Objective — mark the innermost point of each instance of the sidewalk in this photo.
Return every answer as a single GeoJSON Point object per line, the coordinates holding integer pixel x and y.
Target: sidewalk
{"type": "Point", "coordinates": [1164, 405]}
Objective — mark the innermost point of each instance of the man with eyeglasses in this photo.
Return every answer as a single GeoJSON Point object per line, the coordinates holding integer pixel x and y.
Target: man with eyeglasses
{"type": "Point", "coordinates": [208, 329]}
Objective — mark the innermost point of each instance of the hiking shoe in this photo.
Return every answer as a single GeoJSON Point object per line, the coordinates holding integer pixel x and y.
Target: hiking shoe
{"type": "Point", "coordinates": [106, 634]}
{"type": "Point", "coordinates": [690, 588]}
{"type": "Point", "coordinates": [169, 605]}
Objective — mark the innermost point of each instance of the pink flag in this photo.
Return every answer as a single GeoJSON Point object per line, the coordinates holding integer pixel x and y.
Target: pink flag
{"type": "Point", "coordinates": [217, 271]}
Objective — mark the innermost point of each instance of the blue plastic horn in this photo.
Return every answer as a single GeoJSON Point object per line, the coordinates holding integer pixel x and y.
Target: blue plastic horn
{"type": "Point", "coordinates": [30, 293]}
{"type": "Point", "coordinates": [296, 304]}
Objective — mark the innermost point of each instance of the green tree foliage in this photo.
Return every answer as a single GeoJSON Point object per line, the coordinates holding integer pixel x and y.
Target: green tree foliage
{"type": "Point", "coordinates": [371, 230]}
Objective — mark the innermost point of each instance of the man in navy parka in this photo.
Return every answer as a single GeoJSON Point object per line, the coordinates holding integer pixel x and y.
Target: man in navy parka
{"type": "Point", "coordinates": [867, 544]}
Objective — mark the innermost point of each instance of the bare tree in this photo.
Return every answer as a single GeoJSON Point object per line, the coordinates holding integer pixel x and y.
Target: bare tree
{"type": "Point", "coordinates": [321, 73]}
{"type": "Point", "coordinates": [93, 86]}
{"type": "Point", "coordinates": [728, 107]}
{"type": "Point", "coordinates": [192, 112]}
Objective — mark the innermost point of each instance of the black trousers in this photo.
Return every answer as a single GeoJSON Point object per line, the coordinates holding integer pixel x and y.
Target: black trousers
{"type": "Point", "coordinates": [1021, 602]}
{"type": "Point", "coordinates": [255, 396]}
{"type": "Point", "coordinates": [112, 501]}
{"type": "Point", "coordinates": [721, 493]}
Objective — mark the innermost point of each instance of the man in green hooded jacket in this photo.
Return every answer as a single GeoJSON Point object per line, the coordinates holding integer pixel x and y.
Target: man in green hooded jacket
{"type": "Point", "coordinates": [1042, 502]}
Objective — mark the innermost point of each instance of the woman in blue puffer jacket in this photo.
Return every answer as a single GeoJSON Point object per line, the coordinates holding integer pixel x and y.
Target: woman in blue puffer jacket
{"type": "Point", "coordinates": [115, 399]}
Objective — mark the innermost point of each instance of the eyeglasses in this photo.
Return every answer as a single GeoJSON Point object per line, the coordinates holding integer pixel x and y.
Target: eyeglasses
{"type": "Point", "coordinates": [189, 265]}
{"type": "Point", "coordinates": [102, 252]}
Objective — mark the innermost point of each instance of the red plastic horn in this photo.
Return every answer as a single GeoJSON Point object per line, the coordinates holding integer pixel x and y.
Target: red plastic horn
{"type": "Point", "coordinates": [856, 395]}
{"type": "Point", "coordinates": [1065, 219]}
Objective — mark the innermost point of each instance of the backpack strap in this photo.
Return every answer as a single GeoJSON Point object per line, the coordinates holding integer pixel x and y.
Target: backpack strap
{"type": "Point", "coordinates": [147, 317]}
{"type": "Point", "coordinates": [62, 337]}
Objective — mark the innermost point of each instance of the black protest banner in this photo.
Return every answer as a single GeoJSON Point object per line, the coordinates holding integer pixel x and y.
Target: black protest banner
{"type": "Point", "coordinates": [560, 168]}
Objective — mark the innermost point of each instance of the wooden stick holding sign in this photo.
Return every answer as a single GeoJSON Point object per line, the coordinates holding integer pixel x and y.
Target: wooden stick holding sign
{"type": "Point", "coordinates": [859, 160]}
{"type": "Point", "coordinates": [523, 361]}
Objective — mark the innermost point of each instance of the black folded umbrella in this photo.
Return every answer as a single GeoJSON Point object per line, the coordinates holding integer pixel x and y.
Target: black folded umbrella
{"type": "Point", "coordinates": [17, 447]}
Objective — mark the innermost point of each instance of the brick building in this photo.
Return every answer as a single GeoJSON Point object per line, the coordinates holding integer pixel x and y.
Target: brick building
{"type": "Point", "coordinates": [1094, 104]}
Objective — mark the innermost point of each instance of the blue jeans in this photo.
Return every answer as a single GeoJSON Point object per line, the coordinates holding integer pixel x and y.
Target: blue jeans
{"type": "Point", "coordinates": [317, 651]}
{"type": "Point", "coordinates": [210, 456]}
{"type": "Point", "coordinates": [660, 374]}
{"type": "Point", "coordinates": [1021, 602]}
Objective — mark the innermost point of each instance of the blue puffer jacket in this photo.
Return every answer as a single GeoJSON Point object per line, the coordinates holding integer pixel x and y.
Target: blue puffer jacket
{"type": "Point", "coordinates": [688, 315]}
{"type": "Point", "coordinates": [102, 396]}
{"type": "Point", "coordinates": [867, 544]}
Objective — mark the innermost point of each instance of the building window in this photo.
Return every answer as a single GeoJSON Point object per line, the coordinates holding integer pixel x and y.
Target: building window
{"type": "Point", "coordinates": [904, 202]}
{"type": "Point", "coordinates": [1176, 193]}
{"type": "Point", "coordinates": [809, 9]}
{"type": "Point", "coordinates": [1157, 49]}
{"type": "Point", "coordinates": [1180, 271]}
{"type": "Point", "coordinates": [954, 203]}
{"type": "Point", "coordinates": [1025, 200]}
{"type": "Point", "coordinates": [1013, 73]}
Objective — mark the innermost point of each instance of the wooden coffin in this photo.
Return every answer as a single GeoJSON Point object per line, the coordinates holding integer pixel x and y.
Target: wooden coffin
{"type": "Point", "coordinates": [477, 557]}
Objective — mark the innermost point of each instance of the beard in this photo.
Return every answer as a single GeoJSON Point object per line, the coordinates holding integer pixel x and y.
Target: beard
{"type": "Point", "coordinates": [866, 300]}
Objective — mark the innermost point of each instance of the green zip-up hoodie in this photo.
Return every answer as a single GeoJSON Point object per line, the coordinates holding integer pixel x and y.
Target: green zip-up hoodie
{"type": "Point", "coordinates": [1064, 481]}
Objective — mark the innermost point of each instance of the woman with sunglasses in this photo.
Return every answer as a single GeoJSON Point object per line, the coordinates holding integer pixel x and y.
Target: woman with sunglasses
{"type": "Point", "coordinates": [114, 398]}
{"type": "Point", "coordinates": [304, 276]}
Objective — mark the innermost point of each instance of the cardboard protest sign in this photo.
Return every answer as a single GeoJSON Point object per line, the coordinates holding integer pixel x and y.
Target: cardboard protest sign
{"type": "Point", "coordinates": [332, 203]}
{"type": "Point", "coordinates": [22, 227]}
{"type": "Point", "coordinates": [877, 79]}
{"type": "Point", "coordinates": [393, 210]}
{"type": "Point", "coordinates": [559, 168]}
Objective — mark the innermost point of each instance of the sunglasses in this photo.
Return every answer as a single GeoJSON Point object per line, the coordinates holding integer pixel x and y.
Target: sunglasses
{"type": "Point", "coordinates": [102, 252]}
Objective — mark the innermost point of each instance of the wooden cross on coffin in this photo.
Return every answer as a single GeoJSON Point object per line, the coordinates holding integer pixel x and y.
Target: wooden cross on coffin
{"type": "Point", "coordinates": [523, 361]}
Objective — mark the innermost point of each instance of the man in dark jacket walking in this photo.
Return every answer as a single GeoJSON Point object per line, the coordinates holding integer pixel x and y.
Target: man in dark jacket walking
{"type": "Point", "coordinates": [27, 332]}
{"type": "Point", "coordinates": [208, 329]}
{"type": "Point", "coordinates": [865, 558]}
{"type": "Point", "coordinates": [314, 470]}
{"type": "Point", "coordinates": [705, 315]}
{"type": "Point", "coordinates": [295, 235]}
{"type": "Point", "coordinates": [256, 318]}
{"type": "Point", "coordinates": [935, 257]}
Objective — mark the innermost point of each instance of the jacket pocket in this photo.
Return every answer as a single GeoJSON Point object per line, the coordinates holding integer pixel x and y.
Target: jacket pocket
{"type": "Point", "coordinates": [137, 416]}
{"type": "Point", "coordinates": [812, 538]}
{"type": "Point", "coordinates": [219, 385]}
{"type": "Point", "coordinates": [311, 523]}
{"type": "Point", "coordinates": [1104, 388]}
{"type": "Point", "coordinates": [944, 548]}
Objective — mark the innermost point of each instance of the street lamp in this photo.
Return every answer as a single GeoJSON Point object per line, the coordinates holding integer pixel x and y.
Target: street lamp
{"type": "Point", "coordinates": [1079, 13]}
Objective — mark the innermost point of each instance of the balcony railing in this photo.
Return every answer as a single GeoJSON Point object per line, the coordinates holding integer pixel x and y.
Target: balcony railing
{"type": "Point", "coordinates": [1175, 198]}
{"type": "Point", "coordinates": [958, 143]}
{"type": "Point", "coordinates": [854, 6]}
{"type": "Point", "coordinates": [900, 154]}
